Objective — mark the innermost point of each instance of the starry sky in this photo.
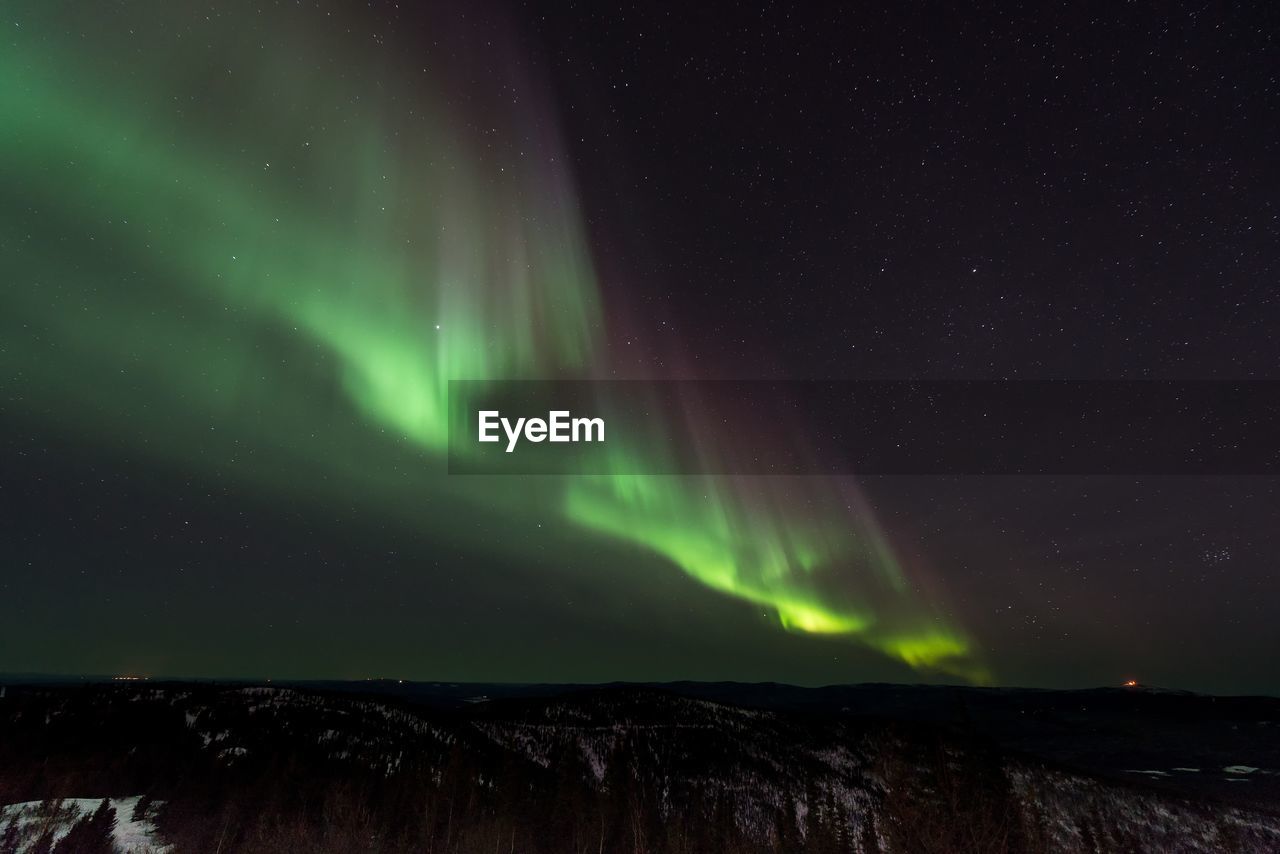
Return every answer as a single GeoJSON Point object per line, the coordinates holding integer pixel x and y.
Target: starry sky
{"type": "Point", "coordinates": [244, 248]}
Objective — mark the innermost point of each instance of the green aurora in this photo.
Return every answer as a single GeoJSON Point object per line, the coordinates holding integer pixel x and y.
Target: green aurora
{"type": "Point", "coordinates": [212, 246]}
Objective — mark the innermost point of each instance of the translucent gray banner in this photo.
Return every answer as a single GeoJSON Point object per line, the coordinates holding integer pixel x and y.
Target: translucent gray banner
{"type": "Point", "coordinates": [865, 427]}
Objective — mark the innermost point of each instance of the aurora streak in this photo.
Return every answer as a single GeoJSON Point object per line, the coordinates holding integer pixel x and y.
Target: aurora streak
{"type": "Point", "coordinates": [286, 268]}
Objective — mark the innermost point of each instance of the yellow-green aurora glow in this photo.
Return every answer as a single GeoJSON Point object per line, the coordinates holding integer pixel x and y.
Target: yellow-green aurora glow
{"type": "Point", "coordinates": [207, 235]}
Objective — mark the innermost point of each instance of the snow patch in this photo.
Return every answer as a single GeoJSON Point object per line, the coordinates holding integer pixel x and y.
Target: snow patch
{"type": "Point", "coordinates": [128, 836]}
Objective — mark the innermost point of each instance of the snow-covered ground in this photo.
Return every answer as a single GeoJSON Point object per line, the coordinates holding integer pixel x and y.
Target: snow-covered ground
{"type": "Point", "coordinates": [129, 836]}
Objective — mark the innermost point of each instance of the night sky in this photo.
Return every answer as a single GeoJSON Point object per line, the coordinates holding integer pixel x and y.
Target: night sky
{"type": "Point", "coordinates": [244, 247]}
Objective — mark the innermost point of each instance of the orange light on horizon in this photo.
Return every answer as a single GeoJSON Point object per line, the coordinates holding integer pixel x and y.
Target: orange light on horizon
{"type": "Point", "coordinates": [1131, 683]}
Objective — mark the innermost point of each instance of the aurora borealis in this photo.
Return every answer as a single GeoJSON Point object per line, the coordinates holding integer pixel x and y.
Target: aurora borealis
{"type": "Point", "coordinates": [366, 230]}
{"type": "Point", "coordinates": [246, 248]}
